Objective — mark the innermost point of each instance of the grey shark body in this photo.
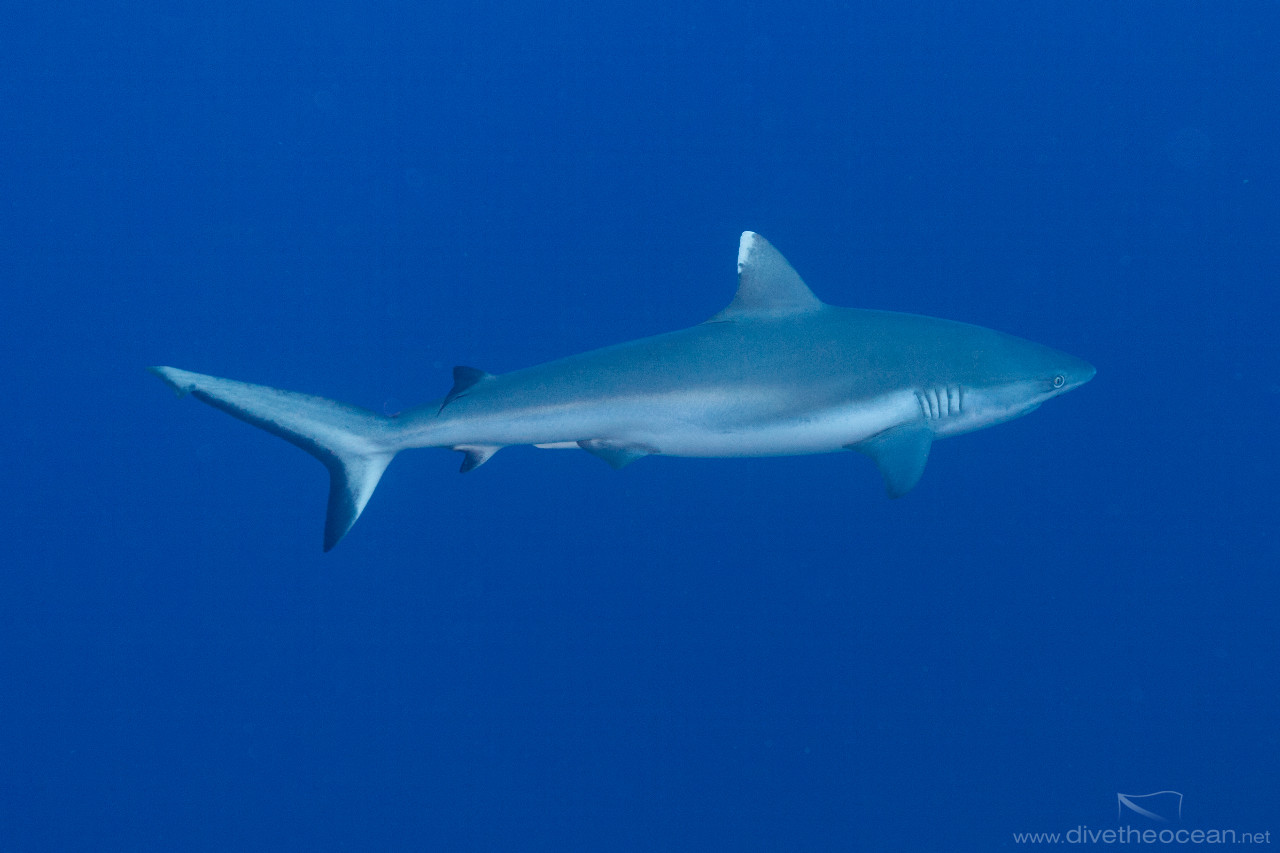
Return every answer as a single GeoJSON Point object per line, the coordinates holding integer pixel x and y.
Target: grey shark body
{"type": "Point", "coordinates": [775, 373]}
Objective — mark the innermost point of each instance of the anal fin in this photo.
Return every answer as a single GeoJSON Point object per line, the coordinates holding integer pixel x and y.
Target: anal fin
{"type": "Point", "coordinates": [476, 455]}
{"type": "Point", "coordinates": [901, 453]}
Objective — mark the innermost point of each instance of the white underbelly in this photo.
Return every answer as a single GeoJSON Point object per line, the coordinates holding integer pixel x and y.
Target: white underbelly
{"type": "Point", "coordinates": [681, 424]}
{"type": "Point", "coordinates": [823, 431]}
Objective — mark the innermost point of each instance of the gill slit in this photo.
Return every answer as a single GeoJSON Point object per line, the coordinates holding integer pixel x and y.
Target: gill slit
{"type": "Point", "coordinates": [939, 402]}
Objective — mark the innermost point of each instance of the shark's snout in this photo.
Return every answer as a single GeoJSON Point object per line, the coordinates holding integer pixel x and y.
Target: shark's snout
{"type": "Point", "coordinates": [1078, 373]}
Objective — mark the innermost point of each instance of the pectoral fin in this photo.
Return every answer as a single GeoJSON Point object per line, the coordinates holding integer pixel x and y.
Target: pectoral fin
{"type": "Point", "coordinates": [901, 454]}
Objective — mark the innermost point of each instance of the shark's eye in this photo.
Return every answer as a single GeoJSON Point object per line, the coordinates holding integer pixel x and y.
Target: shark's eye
{"type": "Point", "coordinates": [1059, 381]}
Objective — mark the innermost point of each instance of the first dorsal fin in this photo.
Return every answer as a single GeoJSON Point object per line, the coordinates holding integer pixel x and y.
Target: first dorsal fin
{"type": "Point", "coordinates": [767, 285]}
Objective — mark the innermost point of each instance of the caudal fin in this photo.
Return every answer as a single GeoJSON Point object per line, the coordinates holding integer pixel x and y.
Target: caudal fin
{"type": "Point", "coordinates": [355, 444]}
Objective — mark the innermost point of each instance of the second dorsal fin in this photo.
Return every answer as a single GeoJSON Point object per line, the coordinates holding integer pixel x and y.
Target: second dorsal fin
{"type": "Point", "coordinates": [464, 379]}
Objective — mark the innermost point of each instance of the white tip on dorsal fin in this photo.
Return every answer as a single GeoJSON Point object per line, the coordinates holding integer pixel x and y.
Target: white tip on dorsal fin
{"type": "Point", "coordinates": [767, 285]}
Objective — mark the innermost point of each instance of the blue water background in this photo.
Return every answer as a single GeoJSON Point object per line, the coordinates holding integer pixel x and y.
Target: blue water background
{"type": "Point", "coordinates": [349, 199]}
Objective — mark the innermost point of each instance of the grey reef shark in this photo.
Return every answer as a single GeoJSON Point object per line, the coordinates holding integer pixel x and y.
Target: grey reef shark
{"type": "Point", "coordinates": [775, 373]}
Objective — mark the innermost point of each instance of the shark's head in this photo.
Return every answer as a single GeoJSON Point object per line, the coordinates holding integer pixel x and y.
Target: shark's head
{"type": "Point", "coordinates": [1014, 377]}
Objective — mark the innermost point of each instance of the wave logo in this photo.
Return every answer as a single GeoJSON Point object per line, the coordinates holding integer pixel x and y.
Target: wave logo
{"type": "Point", "coordinates": [1163, 806]}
